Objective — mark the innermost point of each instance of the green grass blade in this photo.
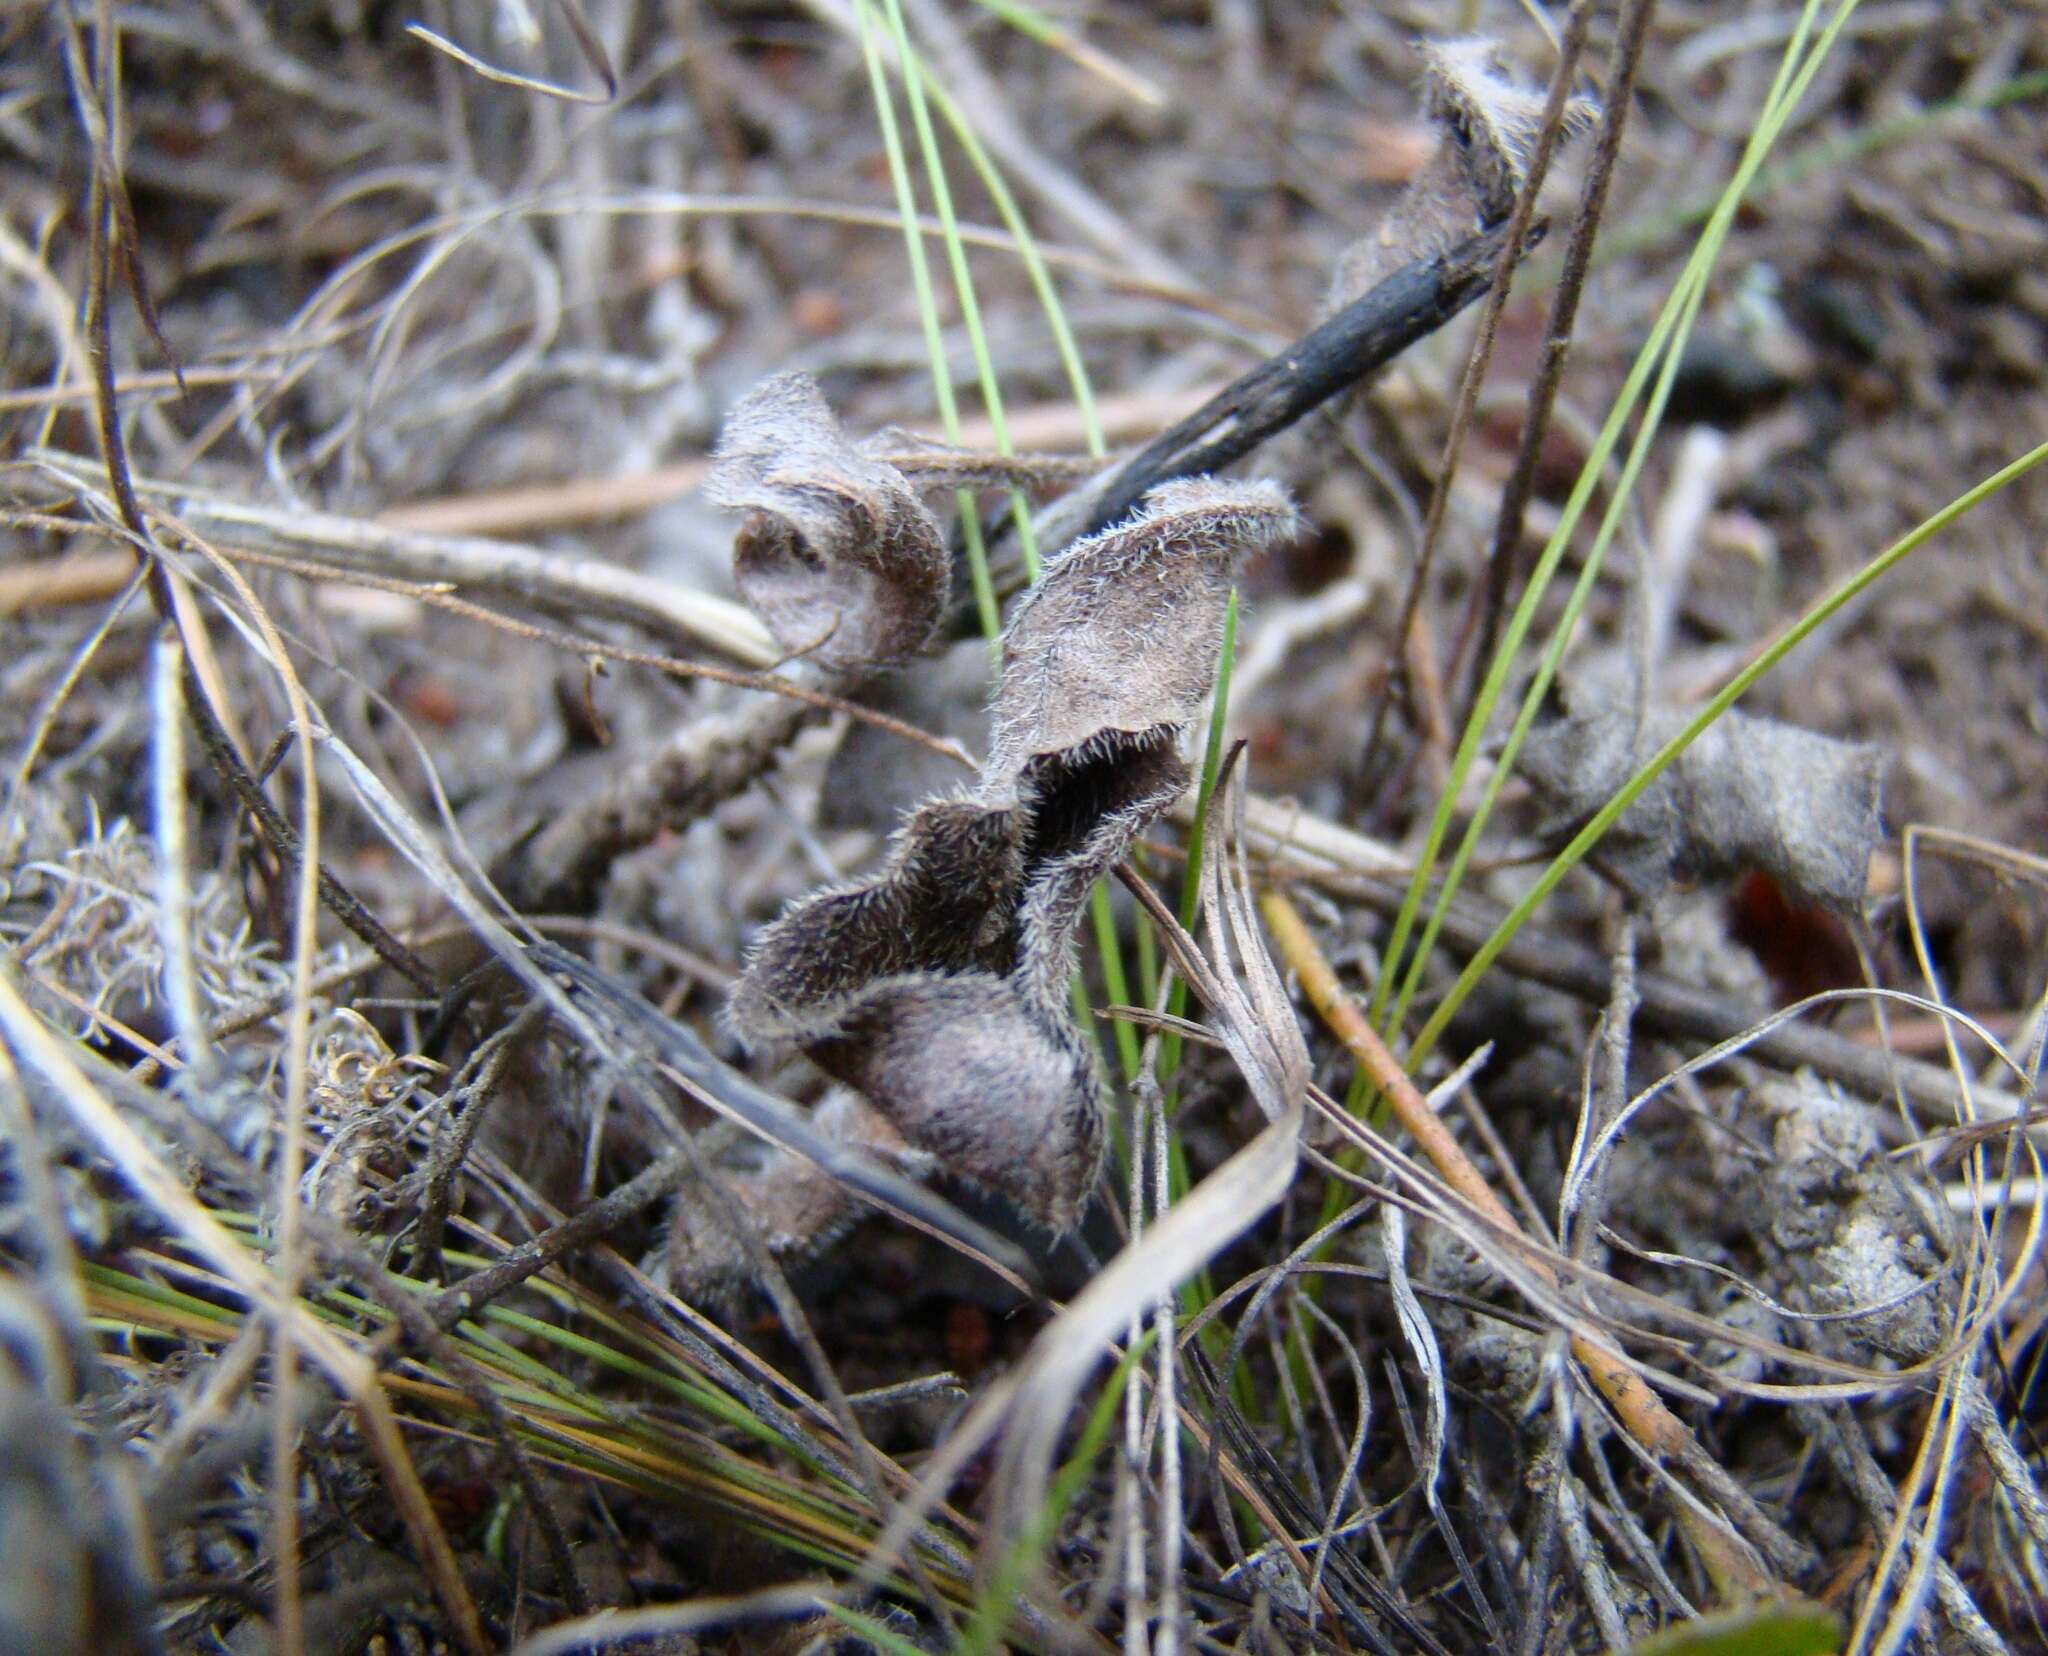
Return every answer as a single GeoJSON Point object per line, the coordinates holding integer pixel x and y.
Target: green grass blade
{"type": "Point", "coordinates": [927, 309]}
{"type": "Point", "coordinates": [914, 79]}
{"type": "Point", "coordinates": [1830, 604]}
{"type": "Point", "coordinates": [1793, 77]}
{"type": "Point", "coordinates": [1033, 24]}
{"type": "Point", "coordinates": [1191, 881]}
{"type": "Point", "coordinates": [1034, 263]}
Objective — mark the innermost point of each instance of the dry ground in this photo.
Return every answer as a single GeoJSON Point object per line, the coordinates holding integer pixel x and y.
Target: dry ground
{"type": "Point", "coordinates": [431, 324]}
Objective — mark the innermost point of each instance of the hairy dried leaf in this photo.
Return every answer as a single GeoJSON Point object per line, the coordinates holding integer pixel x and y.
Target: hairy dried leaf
{"type": "Point", "coordinates": [1121, 635]}
{"type": "Point", "coordinates": [1250, 1011]}
{"type": "Point", "coordinates": [795, 1205]}
{"type": "Point", "coordinates": [1489, 128]}
{"type": "Point", "coordinates": [1749, 793]}
{"type": "Point", "coordinates": [839, 556]}
{"type": "Point", "coordinates": [938, 986]}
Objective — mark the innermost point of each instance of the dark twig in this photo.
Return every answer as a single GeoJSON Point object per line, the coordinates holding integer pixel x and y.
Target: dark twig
{"type": "Point", "coordinates": [342, 903]}
{"type": "Point", "coordinates": [451, 1149]}
{"type": "Point", "coordinates": [102, 214]}
{"type": "Point", "coordinates": [1365, 335]}
{"type": "Point", "coordinates": [601, 1218]}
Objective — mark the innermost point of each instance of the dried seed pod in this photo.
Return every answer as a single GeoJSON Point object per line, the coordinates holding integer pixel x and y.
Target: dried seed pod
{"type": "Point", "coordinates": [1748, 793]}
{"type": "Point", "coordinates": [839, 556]}
{"type": "Point", "coordinates": [938, 986]}
{"type": "Point", "coordinates": [1491, 123]}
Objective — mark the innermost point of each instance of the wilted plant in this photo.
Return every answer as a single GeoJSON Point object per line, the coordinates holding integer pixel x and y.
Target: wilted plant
{"type": "Point", "coordinates": [938, 988]}
{"type": "Point", "coordinates": [839, 556]}
{"type": "Point", "coordinates": [1749, 793]}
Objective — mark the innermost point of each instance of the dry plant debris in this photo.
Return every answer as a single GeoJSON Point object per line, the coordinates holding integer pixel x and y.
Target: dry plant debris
{"type": "Point", "coordinates": [1750, 793]}
{"type": "Point", "coordinates": [939, 988]}
{"type": "Point", "coordinates": [559, 1082]}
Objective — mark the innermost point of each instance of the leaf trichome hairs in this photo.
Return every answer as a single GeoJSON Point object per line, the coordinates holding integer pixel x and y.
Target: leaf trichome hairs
{"type": "Point", "coordinates": [935, 991]}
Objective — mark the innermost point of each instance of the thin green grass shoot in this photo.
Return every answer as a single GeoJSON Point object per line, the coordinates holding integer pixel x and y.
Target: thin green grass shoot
{"type": "Point", "coordinates": [928, 312]}
{"type": "Point", "coordinates": [1824, 609]}
{"type": "Point", "coordinates": [1795, 72]}
{"type": "Point", "coordinates": [1033, 24]}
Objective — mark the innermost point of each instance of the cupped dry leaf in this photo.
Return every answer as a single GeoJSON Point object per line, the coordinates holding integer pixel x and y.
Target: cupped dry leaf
{"type": "Point", "coordinates": [838, 555]}
{"type": "Point", "coordinates": [936, 905]}
{"type": "Point", "coordinates": [1122, 633]}
{"type": "Point", "coordinates": [1489, 127]}
{"type": "Point", "coordinates": [795, 1205]}
{"type": "Point", "coordinates": [1748, 793]}
{"type": "Point", "coordinates": [938, 986]}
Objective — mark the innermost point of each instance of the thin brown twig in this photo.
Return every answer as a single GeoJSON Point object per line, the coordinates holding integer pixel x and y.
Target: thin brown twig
{"type": "Point", "coordinates": [1491, 593]}
{"type": "Point", "coordinates": [452, 1146]}
{"type": "Point", "coordinates": [440, 597]}
{"type": "Point", "coordinates": [1552, 130]}
{"type": "Point", "coordinates": [284, 841]}
{"type": "Point", "coordinates": [469, 1296]}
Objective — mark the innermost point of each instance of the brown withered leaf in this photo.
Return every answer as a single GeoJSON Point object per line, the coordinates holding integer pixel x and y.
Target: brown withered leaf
{"type": "Point", "coordinates": [986, 1075]}
{"type": "Point", "coordinates": [838, 556]}
{"type": "Point", "coordinates": [1748, 793]}
{"type": "Point", "coordinates": [938, 904]}
{"type": "Point", "coordinates": [1489, 127]}
{"type": "Point", "coordinates": [938, 986]}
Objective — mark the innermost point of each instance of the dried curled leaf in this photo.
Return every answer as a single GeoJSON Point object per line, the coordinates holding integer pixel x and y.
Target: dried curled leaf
{"type": "Point", "coordinates": [938, 986]}
{"type": "Point", "coordinates": [1489, 128]}
{"type": "Point", "coordinates": [1122, 633]}
{"type": "Point", "coordinates": [795, 1205]}
{"type": "Point", "coordinates": [1748, 793]}
{"type": "Point", "coordinates": [838, 556]}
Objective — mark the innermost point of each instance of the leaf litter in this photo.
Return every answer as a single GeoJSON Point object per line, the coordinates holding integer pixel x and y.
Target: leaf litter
{"type": "Point", "coordinates": [820, 987]}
